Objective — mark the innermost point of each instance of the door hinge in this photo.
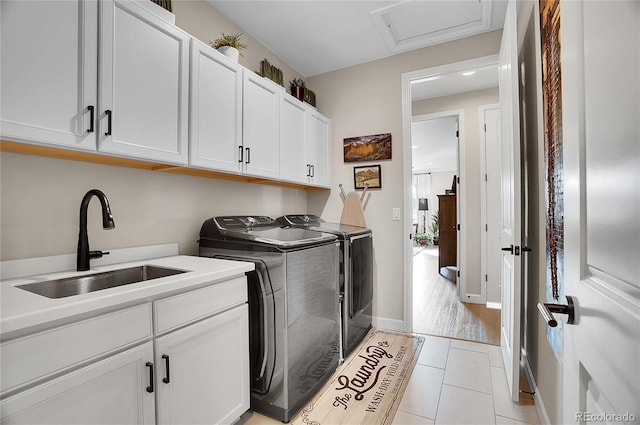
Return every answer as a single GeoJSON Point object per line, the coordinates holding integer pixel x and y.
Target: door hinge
{"type": "Point", "coordinates": [485, 127]}
{"type": "Point", "coordinates": [458, 227]}
{"type": "Point", "coordinates": [457, 133]}
{"type": "Point", "coordinates": [486, 278]}
{"type": "Point", "coordinates": [486, 178]}
{"type": "Point", "coordinates": [486, 227]}
{"type": "Point", "coordinates": [458, 274]}
{"type": "Point", "coordinates": [458, 180]}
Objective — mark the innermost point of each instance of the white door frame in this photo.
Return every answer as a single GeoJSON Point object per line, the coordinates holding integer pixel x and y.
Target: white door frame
{"type": "Point", "coordinates": [407, 161]}
{"type": "Point", "coordinates": [461, 190]}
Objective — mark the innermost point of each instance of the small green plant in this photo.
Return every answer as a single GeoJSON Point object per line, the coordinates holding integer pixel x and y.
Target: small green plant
{"type": "Point", "coordinates": [423, 239]}
{"type": "Point", "coordinates": [434, 227]}
{"type": "Point", "coordinates": [231, 40]}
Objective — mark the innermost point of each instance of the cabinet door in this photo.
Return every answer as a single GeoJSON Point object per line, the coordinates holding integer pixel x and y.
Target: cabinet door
{"type": "Point", "coordinates": [294, 165]}
{"type": "Point", "coordinates": [260, 136]}
{"type": "Point", "coordinates": [112, 391]}
{"type": "Point", "coordinates": [144, 84]}
{"type": "Point", "coordinates": [319, 140]}
{"type": "Point", "coordinates": [204, 377]}
{"type": "Point", "coordinates": [49, 71]}
{"type": "Point", "coordinates": [216, 109]}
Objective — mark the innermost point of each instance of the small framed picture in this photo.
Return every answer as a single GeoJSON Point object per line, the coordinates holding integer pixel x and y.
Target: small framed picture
{"type": "Point", "coordinates": [368, 176]}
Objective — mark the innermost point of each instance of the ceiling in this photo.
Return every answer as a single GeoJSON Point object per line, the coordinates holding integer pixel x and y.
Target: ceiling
{"type": "Point", "coordinates": [318, 36]}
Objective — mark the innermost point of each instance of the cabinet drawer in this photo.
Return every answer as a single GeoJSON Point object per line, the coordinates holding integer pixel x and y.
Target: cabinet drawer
{"type": "Point", "coordinates": [190, 306]}
{"type": "Point", "coordinates": [44, 353]}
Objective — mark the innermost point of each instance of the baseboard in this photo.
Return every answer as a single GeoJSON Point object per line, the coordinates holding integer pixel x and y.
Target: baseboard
{"type": "Point", "coordinates": [493, 305]}
{"type": "Point", "coordinates": [385, 323]}
{"type": "Point", "coordinates": [542, 411]}
{"type": "Point", "coordinates": [473, 298]}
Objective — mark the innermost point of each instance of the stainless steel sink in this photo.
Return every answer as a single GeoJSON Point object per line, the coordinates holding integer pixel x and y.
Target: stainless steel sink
{"type": "Point", "coordinates": [61, 288]}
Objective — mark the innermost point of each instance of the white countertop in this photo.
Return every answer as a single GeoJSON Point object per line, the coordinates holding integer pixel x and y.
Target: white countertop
{"type": "Point", "coordinates": [21, 310]}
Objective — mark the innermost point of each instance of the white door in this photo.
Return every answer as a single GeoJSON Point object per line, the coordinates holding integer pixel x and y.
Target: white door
{"type": "Point", "coordinates": [491, 204]}
{"type": "Point", "coordinates": [203, 371]}
{"type": "Point", "coordinates": [319, 149]}
{"type": "Point", "coordinates": [49, 72]}
{"type": "Point", "coordinates": [215, 118]}
{"type": "Point", "coordinates": [511, 205]}
{"type": "Point", "coordinates": [260, 135]}
{"type": "Point", "coordinates": [600, 58]}
{"type": "Point", "coordinates": [115, 391]}
{"type": "Point", "coordinates": [144, 84]}
{"type": "Point", "coordinates": [294, 165]}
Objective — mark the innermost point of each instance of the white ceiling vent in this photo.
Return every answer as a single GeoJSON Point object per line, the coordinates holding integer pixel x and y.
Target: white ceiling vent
{"type": "Point", "coordinates": [413, 24]}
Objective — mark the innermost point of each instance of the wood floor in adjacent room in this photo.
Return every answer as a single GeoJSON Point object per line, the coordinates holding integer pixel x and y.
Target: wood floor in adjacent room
{"type": "Point", "coordinates": [437, 310]}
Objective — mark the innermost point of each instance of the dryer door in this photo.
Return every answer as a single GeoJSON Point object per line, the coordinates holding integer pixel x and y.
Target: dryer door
{"type": "Point", "coordinates": [361, 274]}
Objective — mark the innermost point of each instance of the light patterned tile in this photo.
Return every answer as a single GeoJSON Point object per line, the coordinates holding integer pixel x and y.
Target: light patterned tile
{"type": "Point", "coordinates": [495, 356]}
{"type": "Point", "coordinates": [423, 392]}
{"type": "Point", "coordinates": [501, 420]}
{"type": "Point", "coordinates": [434, 351]}
{"type": "Point", "coordinates": [523, 411]}
{"type": "Point", "coordinates": [462, 406]}
{"type": "Point", "coordinates": [404, 418]}
{"type": "Point", "coordinates": [258, 419]}
{"type": "Point", "coordinates": [471, 346]}
{"type": "Point", "coordinates": [468, 369]}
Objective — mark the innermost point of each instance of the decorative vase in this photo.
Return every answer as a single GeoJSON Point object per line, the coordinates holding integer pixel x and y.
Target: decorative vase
{"type": "Point", "coordinates": [298, 92]}
{"type": "Point", "coordinates": [230, 52]}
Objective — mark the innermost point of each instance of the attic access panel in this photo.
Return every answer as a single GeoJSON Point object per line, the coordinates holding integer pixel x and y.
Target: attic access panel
{"type": "Point", "coordinates": [412, 24]}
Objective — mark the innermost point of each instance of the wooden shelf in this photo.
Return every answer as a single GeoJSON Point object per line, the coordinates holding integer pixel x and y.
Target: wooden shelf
{"type": "Point", "coordinates": [99, 158]}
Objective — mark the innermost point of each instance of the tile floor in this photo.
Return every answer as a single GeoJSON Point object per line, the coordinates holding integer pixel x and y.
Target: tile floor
{"type": "Point", "coordinates": [456, 382]}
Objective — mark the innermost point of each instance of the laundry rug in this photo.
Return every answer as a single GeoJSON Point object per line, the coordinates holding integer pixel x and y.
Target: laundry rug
{"type": "Point", "coordinates": [368, 387]}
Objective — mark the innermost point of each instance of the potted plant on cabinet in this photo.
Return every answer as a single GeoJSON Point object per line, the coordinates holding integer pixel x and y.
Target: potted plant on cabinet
{"type": "Point", "coordinates": [297, 88]}
{"type": "Point", "coordinates": [229, 45]}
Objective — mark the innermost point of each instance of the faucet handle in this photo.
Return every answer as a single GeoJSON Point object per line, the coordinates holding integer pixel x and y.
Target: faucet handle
{"type": "Point", "coordinates": [97, 254]}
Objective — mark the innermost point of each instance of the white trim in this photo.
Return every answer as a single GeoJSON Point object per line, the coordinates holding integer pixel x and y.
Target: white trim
{"type": "Point", "coordinates": [495, 306]}
{"type": "Point", "coordinates": [406, 164]}
{"type": "Point", "coordinates": [540, 409]}
{"type": "Point", "coordinates": [387, 324]}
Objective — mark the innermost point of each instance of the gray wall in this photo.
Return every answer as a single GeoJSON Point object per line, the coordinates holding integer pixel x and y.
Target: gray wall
{"type": "Point", "coordinates": [367, 99]}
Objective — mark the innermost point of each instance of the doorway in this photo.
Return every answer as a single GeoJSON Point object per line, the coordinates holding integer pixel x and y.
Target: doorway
{"type": "Point", "coordinates": [453, 307]}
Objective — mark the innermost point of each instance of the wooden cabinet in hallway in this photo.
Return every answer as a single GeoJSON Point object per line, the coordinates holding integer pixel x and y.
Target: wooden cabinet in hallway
{"type": "Point", "coordinates": [448, 232]}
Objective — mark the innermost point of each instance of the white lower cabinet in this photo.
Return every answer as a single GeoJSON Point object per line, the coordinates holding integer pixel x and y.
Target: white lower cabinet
{"type": "Point", "coordinates": [202, 370]}
{"type": "Point", "coordinates": [111, 391]}
{"type": "Point", "coordinates": [85, 373]}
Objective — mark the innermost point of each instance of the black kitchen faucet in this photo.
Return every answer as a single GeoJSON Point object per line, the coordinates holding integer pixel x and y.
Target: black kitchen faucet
{"type": "Point", "coordinates": [84, 255]}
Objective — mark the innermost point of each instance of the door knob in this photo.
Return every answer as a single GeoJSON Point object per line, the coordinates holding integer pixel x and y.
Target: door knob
{"type": "Point", "coordinates": [547, 308]}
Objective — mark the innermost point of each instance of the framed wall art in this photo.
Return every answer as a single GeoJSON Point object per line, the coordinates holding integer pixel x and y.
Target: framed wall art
{"type": "Point", "coordinates": [367, 176]}
{"type": "Point", "coordinates": [367, 148]}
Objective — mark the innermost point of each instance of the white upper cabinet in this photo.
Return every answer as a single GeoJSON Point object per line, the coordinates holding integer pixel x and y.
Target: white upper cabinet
{"type": "Point", "coordinates": [49, 72]}
{"type": "Point", "coordinates": [216, 110]}
{"type": "Point", "coordinates": [294, 165]}
{"type": "Point", "coordinates": [144, 84]}
{"type": "Point", "coordinates": [260, 126]}
{"type": "Point", "coordinates": [304, 143]}
{"type": "Point", "coordinates": [319, 149]}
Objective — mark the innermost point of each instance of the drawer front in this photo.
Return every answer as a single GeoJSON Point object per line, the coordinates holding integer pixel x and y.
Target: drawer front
{"type": "Point", "coordinates": [176, 311]}
{"type": "Point", "coordinates": [39, 355]}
